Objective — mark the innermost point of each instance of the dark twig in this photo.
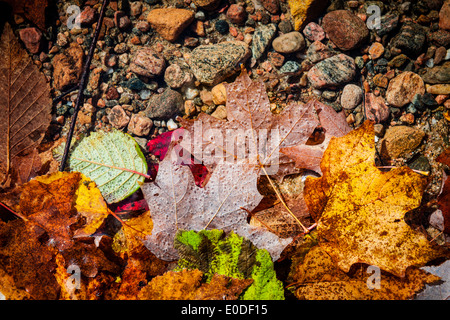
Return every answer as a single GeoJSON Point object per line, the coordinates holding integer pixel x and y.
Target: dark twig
{"type": "Point", "coordinates": [65, 93]}
{"type": "Point", "coordinates": [82, 85]}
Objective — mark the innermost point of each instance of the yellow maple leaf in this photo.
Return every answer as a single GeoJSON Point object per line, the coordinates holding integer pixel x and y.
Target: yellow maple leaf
{"type": "Point", "coordinates": [361, 209]}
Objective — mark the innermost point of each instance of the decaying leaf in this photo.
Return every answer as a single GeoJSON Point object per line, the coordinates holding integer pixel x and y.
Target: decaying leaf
{"type": "Point", "coordinates": [32, 10]}
{"type": "Point", "coordinates": [308, 156]}
{"type": "Point", "coordinates": [25, 102]}
{"type": "Point", "coordinates": [213, 253]}
{"type": "Point", "coordinates": [318, 278]}
{"type": "Point", "coordinates": [252, 131]}
{"type": "Point", "coordinates": [175, 203]}
{"type": "Point", "coordinates": [362, 209]}
{"type": "Point", "coordinates": [187, 285]}
{"type": "Point", "coordinates": [444, 196]}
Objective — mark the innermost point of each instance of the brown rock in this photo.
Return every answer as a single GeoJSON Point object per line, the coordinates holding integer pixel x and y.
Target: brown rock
{"type": "Point", "coordinates": [444, 16]}
{"type": "Point", "coordinates": [207, 4]}
{"type": "Point", "coordinates": [170, 22]}
{"type": "Point", "coordinates": [67, 67]}
{"type": "Point", "coordinates": [439, 55]}
{"type": "Point", "coordinates": [273, 6]}
{"type": "Point", "coordinates": [376, 109]}
{"type": "Point", "coordinates": [236, 14]}
{"type": "Point", "coordinates": [118, 118]}
{"type": "Point", "coordinates": [147, 62]}
{"type": "Point", "coordinates": [400, 141]}
{"type": "Point", "coordinates": [87, 16]}
{"type": "Point", "coordinates": [376, 50]}
{"type": "Point", "coordinates": [403, 88]}
{"type": "Point", "coordinates": [31, 38]}
{"type": "Point", "coordinates": [140, 125]}
{"type": "Point", "coordinates": [345, 29]}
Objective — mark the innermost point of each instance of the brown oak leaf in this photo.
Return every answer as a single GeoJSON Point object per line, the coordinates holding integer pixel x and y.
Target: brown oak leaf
{"type": "Point", "coordinates": [444, 195]}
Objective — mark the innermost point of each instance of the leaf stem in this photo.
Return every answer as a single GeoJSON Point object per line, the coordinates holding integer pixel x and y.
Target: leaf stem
{"type": "Point", "coordinates": [13, 212]}
{"type": "Point", "coordinates": [114, 167]}
{"type": "Point", "coordinates": [82, 85]}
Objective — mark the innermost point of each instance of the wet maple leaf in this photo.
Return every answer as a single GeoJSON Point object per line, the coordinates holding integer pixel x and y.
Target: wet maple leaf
{"type": "Point", "coordinates": [318, 278]}
{"type": "Point", "coordinates": [252, 131]}
{"type": "Point", "coordinates": [187, 285]}
{"type": "Point", "coordinates": [334, 124]}
{"type": "Point", "coordinates": [175, 202]}
{"type": "Point", "coordinates": [362, 209]}
{"type": "Point", "coordinates": [444, 196]}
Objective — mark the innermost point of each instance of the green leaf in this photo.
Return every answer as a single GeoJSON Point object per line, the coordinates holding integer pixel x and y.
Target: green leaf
{"type": "Point", "coordinates": [113, 160]}
{"type": "Point", "coordinates": [232, 256]}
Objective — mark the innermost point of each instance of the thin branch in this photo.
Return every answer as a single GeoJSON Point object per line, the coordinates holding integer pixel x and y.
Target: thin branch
{"type": "Point", "coordinates": [82, 85]}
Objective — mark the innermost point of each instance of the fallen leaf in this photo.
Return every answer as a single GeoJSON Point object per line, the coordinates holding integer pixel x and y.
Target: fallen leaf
{"type": "Point", "coordinates": [362, 209]}
{"type": "Point", "coordinates": [32, 10]}
{"type": "Point", "coordinates": [187, 285]}
{"type": "Point", "coordinates": [25, 102]}
{"type": "Point", "coordinates": [334, 124]}
{"type": "Point", "coordinates": [175, 203]}
{"type": "Point", "coordinates": [211, 252]}
{"type": "Point", "coordinates": [444, 195]}
{"type": "Point", "coordinates": [252, 132]}
{"type": "Point", "coordinates": [318, 278]}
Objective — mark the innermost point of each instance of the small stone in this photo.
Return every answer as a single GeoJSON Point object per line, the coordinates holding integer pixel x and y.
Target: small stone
{"type": "Point", "coordinates": [345, 29]}
{"type": "Point", "coordinates": [407, 118]}
{"type": "Point", "coordinates": [67, 67]}
{"type": "Point", "coordinates": [290, 67]}
{"type": "Point", "coordinates": [317, 51]}
{"type": "Point", "coordinates": [165, 105]}
{"type": "Point", "coordinates": [398, 61]}
{"type": "Point", "coordinates": [121, 20]}
{"type": "Point", "coordinates": [112, 94]}
{"type": "Point", "coordinates": [143, 26]}
{"type": "Point", "coordinates": [212, 64]}
{"type": "Point", "coordinates": [275, 58]}
{"type": "Point", "coordinates": [147, 62]}
{"type": "Point", "coordinates": [378, 129]}
{"type": "Point", "coordinates": [439, 89]}
{"type": "Point", "coordinates": [380, 80]}
{"type": "Point", "coordinates": [273, 6]}
{"type": "Point", "coordinates": [304, 11]}
{"type": "Point", "coordinates": [140, 125]}
{"type": "Point", "coordinates": [314, 32]}
{"type": "Point", "coordinates": [31, 38]}
{"type": "Point", "coordinates": [175, 76]}
{"type": "Point", "coordinates": [440, 38]}
{"type": "Point", "coordinates": [170, 22]}
{"type": "Point", "coordinates": [219, 94]}
{"type": "Point", "coordinates": [444, 16]}
{"type": "Point", "coordinates": [220, 112]}
{"type": "Point", "coordinates": [61, 39]}
{"type": "Point", "coordinates": [439, 55]}
{"type": "Point", "coordinates": [171, 125]}
{"type": "Point", "coordinates": [375, 108]}
{"type": "Point", "coordinates": [376, 50]}
{"type": "Point", "coordinates": [236, 14]}
{"type": "Point", "coordinates": [87, 17]}
{"type": "Point", "coordinates": [410, 39]}
{"type": "Point", "coordinates": [222, 26]}
{"type": "Point", "coordinates": [289, 42]}
{"type": "Point", "coordinates": [207, 97]}
{"type": "Point", "coordinates": [262, 37]}
{"type": "Point", "coordinates": [332, 72]}
{"type": "Point", "coordinates": [403, 88]}
{"type": "Point", "coordinates": [121, 48]}
{"type": "Point", "coordinates": [200, 15]}
{"type": "Point", "coordinates": [285, 26]}
{"type": "Point", "coordinates": [437, 74]}
{"type": "Point", "coordinates": [388, 23]}
{"type": "Point", "coordinates": [351, 96]}
{"type": "Point", "coordinates": [400, 141]}
{"type": "Point", "coordinates": [118, 118]}
{"type": "Point", "coordinates": [208, 5]}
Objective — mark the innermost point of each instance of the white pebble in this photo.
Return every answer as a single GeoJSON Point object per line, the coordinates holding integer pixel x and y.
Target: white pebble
{"type": "Point", "coordinates": [447, 56]}
{"type": "Point", "coordinates": [171, 125]}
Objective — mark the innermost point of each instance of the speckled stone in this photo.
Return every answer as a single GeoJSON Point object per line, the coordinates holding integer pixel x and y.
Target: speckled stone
{"type": "Point", "coordinates": [213, 63]}
{"type": "Point", "coordinates": [410, 39]}
{"type": "Point", "coordinates": [332, 72]}
{"type": "Point", "coordinates": [262, 37]}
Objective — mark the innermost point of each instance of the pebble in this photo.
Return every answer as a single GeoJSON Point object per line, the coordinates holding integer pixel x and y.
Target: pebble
{"type": "Point", "coordinates": [213, 63]}
{"type": "Point", "coordinates": [410, 39]}
{"type": "Point", "coordinates": [222, 26]}
{"type": "Point", "coordinates": [236, 14]}
{"type": "Point", "coordinates": [314, 32]}
{"type": "Point", "coordinates": [118, 118]}
{"type": "Point", "coordinates": [388, 23]}
{"type": "Point", "coordinates": [403, 88]}
{"type": "Point", "coordinates": [61, 39]}
{"type": "Point", "coordinates": [220, 112]}
{"type": "Point", "coordinates": [400, 141]}
{"type": "Point", "coordinates": [289, 42]}
{"type": "Point", "coordinates": [290, 67]}
{"type": "Point", "coordinates": [439, 89]}
{"type": "Point", "coordinates": [121, 20]}
{"type": "Point", "coordinates": [345, 29]}
{"type": "Point", "coordinates": [375, 108]}
{"type": "Point", "coordinates": [398, 61]}
{"type": "Point", "coordinates": [87, 17]}
{"type": "Point", "coordinates": [262, 37]}
{"type": "Point", "coordinates": [318, 51]}
{"type": "Point", "coordinates": [444, 16]}
{"type": "Point", "coordinates": [31, 38]}
{"type": "Point", "coordinates": [380, 80]}
{"type": "Point", "coordinates": [439, 55]}
{"type": "Point", "coordinates": [165, 105]}
{"type": "Point", "coordinates": [304, 11]}
{"type": "Point", "coordinates": [176, 77]}
{"type": "Point", "coordinates": [351, 96]}
{"type": "Point", "coordinates": [332, 72]}
{"type": "Point", "coordinates": [170, 22]}
{"type": "Point", "coordinates": [273, 6]}
{"type": "Point", "coordinates": [171, 125]}
{"type": "Point", "coordinates": [140, 125]}
{"type": "Point", "coordinates": [285, 26]}
{"type": "Point", "coordinates": [147, 62]}
{"type": "Point", "coordinates": [208, 5]}
{"type": "Point", "coordinates": [219, 94]}
{"type": "Point", "coordinates": [437, 74]}
{"type": "Point", "coordinates": [376, 50]}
